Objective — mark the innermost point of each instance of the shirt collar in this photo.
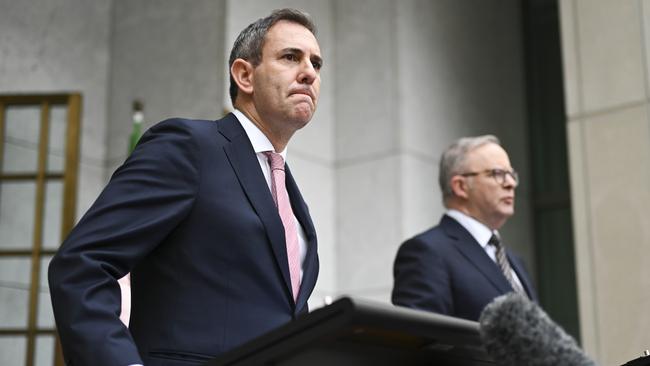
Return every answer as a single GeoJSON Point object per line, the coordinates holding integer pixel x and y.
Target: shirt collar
{"type": "Point", "coordinates": [258, 139]}
{"type": "Point", "coordinates": [480, 232]}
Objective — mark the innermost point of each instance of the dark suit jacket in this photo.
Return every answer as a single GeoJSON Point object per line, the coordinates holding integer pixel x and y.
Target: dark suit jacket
{"type": "Point", "coordinates": [191, 216]}
{"type": "Point", "coordinates": [446, 271]}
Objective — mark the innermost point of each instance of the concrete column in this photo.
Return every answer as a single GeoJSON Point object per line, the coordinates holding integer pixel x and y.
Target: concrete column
{"type": "Point", "coordinates": [605, 48]}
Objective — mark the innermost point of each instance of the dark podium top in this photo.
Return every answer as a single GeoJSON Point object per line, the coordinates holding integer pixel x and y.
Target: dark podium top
{"type": "Point", "coordinates": [355, 332]}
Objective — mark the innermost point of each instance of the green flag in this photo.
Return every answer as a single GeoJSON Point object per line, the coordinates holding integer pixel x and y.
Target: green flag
{"type": "Point", "coordinates": [138, 117]}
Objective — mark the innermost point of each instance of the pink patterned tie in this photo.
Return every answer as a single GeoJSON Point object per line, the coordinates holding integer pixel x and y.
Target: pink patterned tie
{"type": "Point", "coordinates": [281, 198]}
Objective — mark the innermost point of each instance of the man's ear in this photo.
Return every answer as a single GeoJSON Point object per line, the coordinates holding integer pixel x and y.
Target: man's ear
{"type": "Point", "coordinates": [242, 72]}
{"type": "Point", "coordinates": [459, 186]}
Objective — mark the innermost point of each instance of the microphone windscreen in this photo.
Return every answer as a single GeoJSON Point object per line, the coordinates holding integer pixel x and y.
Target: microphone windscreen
{"type": "Point", "coordinates": [516, 331]}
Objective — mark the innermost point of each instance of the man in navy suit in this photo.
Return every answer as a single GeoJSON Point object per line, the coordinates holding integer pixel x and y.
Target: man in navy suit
{"type": "Point", "coordinates": [459, 266]}
{"type": "Point", "coordinates": [194, 216]}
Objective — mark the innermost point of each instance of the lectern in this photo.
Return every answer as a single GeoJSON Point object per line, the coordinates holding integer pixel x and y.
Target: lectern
{"type": "Point", "coordinates": [356, 332]}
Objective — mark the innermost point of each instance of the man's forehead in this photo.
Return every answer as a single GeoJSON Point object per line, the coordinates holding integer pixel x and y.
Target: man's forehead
{"type": "Point", "coordinates": [487, 154]}
{"type": "Point", "coordinates": [288, 34]}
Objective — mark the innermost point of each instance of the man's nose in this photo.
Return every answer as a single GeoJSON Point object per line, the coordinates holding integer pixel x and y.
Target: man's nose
{"type": "Point", "coordinates": [308, 73]}
{"type": "Point", "coordinates": [509, 181]}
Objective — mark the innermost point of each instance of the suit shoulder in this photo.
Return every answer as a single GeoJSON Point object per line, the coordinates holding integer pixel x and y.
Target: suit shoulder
{"type": "Point", "coordinates": [184, 123]}
{"type": "Point", "coordinates": [191, 130]}
{"type": "Point", "coordinates": [432, 235]}
{"type": "Point", "coordinates": [432, 240]}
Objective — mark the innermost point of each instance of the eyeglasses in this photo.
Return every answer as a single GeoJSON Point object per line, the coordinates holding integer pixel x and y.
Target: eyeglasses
{"type": "Point", "coordinates": [499, 175]}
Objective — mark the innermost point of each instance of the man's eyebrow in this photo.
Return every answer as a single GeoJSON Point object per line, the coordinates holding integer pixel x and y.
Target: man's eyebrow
{"type": "Point", "coordinates": [291, 50]}
{"type": "Point", "coordinates": [299, 51]}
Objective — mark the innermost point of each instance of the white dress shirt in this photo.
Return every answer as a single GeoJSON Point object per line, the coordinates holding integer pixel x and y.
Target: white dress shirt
{"type": "Point", "coordinates": [481, 234]}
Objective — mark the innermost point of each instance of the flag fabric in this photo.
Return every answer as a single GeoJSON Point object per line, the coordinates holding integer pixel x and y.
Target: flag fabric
{"type": "Point", "coordinates": [136, 130]}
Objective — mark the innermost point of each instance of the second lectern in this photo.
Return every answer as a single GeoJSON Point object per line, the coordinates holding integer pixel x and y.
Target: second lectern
{"type": "Point", "coordinates": [355, 332]}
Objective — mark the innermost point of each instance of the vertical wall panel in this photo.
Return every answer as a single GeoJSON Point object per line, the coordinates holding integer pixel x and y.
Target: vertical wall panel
{"type": "Point", "coordinates": [611, 56]}
{"type": "Point", "coordinates": [609, 143]}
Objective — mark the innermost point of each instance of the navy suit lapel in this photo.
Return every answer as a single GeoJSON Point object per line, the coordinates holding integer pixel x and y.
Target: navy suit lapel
{"type": "Point", "coordinates": [518, 267]}
{"type": "Point", "coordinates": [310, 267]}
{"type": "Point", "coordinates": [246, 166]}
{"type": "Point", "coordinates": [470, 249]}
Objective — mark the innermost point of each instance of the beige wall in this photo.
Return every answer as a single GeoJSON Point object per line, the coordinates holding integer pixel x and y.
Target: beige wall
{"type": "Point", "coordinates": [605, 47]}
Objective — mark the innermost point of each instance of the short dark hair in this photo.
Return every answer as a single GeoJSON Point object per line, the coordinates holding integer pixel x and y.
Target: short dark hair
{"type": "Point", "coordinates": [248, 45]}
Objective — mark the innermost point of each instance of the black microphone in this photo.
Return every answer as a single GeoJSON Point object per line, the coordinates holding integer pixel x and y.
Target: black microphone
{"type": "Point", "coordinates": [515, 331]}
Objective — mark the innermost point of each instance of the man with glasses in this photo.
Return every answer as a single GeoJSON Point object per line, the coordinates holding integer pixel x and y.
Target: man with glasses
{"type": "Point", "coordinates": [459, 266]}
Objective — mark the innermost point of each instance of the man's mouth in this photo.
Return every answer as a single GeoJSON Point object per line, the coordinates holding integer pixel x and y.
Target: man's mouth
{"type": "Point", "coordinates": [306, 92]}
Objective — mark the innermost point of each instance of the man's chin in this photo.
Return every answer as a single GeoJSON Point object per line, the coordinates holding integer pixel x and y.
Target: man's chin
{"type": "Point", "coordinates": [302, 117]}
{"type": "Point", "coordinates": [507, 210]}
